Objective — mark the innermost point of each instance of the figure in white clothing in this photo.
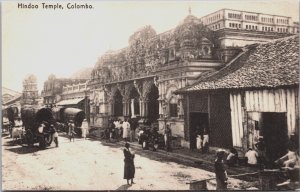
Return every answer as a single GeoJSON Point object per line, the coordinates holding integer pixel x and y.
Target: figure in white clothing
{"type": "Point", "coordinates": [126, 128]}
{"type": "Point", "coordinates": [84, 128]}
{"type": "Point", "coordinates": [252, 157]}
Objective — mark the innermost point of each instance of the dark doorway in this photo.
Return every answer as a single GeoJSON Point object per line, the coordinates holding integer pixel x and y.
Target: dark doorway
{"type": "Point", "coordinates": [118, 105]}
{"type": "Point", "coordinates": [197, 119]}
{"type": "Point", "coordinates": [153, 105]}
{"type": "Point", "coordinates": [275, 133]}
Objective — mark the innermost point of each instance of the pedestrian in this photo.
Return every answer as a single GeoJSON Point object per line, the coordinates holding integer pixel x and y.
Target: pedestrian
{"type": "Point", "coordinates": [251, 157]}
{"type": "Point", "coordinates": [120, 128]}
{"type": "Point", "coordinates": [55, 135]}
{"type": "Point", "coordinates": [40, 135]}
{"type": "Point", "coordinates": [133, 126]}
{"type": "Point", "coordinates": [71, 131]}
{"type": "Point", "coordinates": [290, 159]}
{"type": "Point", "coordinates": [126, 129]}
{"type": "Point", "coordinates": [129, 168]}
{"type": "Point", "coordinates": [117, 128]}
{"type": "Point", "coordinates": [232, 158]}
{"type": "Point", "coordinates": [84, 128]}
{"type": "Point", "coordinates": [205, 140]}
{"type": "Point", "coordinates": [168, 137]}
{"type": "Point", "coordinates": [261, 148]}
{"type": "Point", "coordinates": [198, 135]}
{"type": "Point", "coordinates": [111, 128]}
{"type": "Point", "coordinates": [221, 174]}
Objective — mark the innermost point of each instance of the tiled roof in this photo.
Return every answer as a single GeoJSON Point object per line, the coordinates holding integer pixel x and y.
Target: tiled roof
{"type": "Point", "coordinates": [272, 64]}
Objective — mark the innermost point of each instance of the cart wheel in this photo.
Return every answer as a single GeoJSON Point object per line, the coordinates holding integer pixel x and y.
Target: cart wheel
{"type": "Point", "coordinates": [48, 139]}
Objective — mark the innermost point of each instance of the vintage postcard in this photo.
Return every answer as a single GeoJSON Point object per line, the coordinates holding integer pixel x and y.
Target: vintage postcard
{"type": "Point", "coordinates": [150, 95]}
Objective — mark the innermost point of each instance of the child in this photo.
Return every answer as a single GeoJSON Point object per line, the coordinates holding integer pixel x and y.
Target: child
{"type": "Point", "coordinates": [221, 174]}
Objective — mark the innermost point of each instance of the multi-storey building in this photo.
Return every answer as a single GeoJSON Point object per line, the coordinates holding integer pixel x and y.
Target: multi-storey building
{"type": "Point", "coordinates": [53, 88]}
{"type": "Point", "coordinates": [244, 20]}
{"type": "Point", "coordinates": [239, 28]}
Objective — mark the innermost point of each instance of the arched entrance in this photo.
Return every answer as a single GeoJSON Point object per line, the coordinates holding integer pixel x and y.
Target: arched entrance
{"type": "Point", "coordinates": [153, 104]}
{"type": "Point", "coordinates": [118, 104]}
{"type": "Point", "coordinates": [134, 109]}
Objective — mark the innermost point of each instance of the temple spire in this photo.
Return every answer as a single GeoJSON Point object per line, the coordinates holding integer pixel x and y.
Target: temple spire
{"type": "Point", "coordinates": [190, 10]}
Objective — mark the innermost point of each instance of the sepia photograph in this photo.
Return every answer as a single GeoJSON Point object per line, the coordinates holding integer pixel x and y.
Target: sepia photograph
{"type": "Point", "coordinates": [150, 95]}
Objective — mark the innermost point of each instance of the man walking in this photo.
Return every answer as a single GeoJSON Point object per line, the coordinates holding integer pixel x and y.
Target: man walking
{"type": "Point", "coordinates": [71, 131]}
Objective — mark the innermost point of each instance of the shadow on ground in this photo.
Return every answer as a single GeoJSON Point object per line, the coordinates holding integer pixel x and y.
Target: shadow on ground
{"type": "Point", "coordinates": [23, 150]}
{"type": "Point", "coordinates": [12, 142]}
{"type": "Point", "coordinates": [124, 187]}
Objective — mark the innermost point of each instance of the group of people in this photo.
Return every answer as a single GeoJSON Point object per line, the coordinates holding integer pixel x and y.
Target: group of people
{"type": "Point", "coordinates": [72, 132]}
{"type": "Point", "coordinates": [125, 130]}
{"type": "Point", "coordinates": [290, 161]}
{"type": "Point", "coordinates": [46, 126]}
{"type": "Point", "coordinates": [202, 138]}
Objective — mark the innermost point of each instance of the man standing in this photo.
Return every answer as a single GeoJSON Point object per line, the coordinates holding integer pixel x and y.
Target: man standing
{"type": "Point", "coordinates": [84, 128]}
{"type": "Point", "coordinates": [168, 137]}
{"type": "Point", "coordinates": [133, 127]}
{"type": "Point", "coordinates": [126, 129]}
{"type": "Point", "coordinates": [71, 131]}
{"type": "Point", "coordinates": [221, 174]}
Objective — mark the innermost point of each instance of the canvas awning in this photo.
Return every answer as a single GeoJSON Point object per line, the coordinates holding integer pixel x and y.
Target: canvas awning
{"type": "Point", "coordinates": [69, 102]}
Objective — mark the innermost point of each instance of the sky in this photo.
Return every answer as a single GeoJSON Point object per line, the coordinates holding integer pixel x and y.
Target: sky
{"type": "Point", "coordinates": [63, 41]}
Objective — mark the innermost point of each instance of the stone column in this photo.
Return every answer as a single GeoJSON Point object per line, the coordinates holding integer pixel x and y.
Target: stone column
{"type": "Point", "coordinates": [142, 114]}
{"type": "Point", "coordinates": [146, 102]}
{"type": "Point", "coordinates": [112, 108]}
{"type": "Point", "coordinates": [181, 110]}
{"type": "Point", "coordinates": [127, 107]}
{"type": "Point", "coordinates": [124, 107]}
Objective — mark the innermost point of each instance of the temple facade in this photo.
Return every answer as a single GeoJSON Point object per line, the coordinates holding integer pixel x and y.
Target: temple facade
{"type": "Point", "coordinates": [139, 81]}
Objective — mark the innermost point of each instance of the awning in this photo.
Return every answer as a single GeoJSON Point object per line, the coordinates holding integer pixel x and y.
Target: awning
{"type": "Point", "coordinates": [70, 101]}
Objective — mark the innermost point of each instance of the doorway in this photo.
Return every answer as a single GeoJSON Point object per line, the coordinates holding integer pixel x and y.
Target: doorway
{"type": "Point", "coordinates": [153, 104]}
{"type": "Point", "coordinates": [118, 104]}
{"type": "Point", "coordinates": [275, 133]}
{"type": "Point", "coordinates": [197, 119]}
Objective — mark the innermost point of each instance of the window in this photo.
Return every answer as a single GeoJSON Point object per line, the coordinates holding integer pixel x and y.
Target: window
{"type": "Point", "coordinates": [173, 110]}
{"type": "Point", "coordinates": [173, 107]}
{"type": "Point", "coordinates": [97, 109]}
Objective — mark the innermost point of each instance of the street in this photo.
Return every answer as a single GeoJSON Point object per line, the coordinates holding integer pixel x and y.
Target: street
{"type": "Point", "coordinates": [91, 165]}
